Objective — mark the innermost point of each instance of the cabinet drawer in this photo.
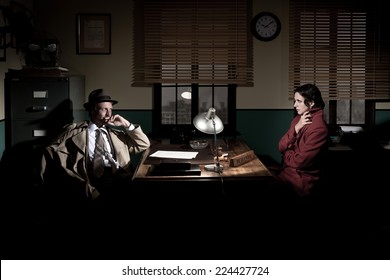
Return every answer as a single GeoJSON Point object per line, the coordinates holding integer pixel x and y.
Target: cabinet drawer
{"type": "Point", "coordinates": [35, 99]}
{"type": "Point", "coordinates": [25, 130]}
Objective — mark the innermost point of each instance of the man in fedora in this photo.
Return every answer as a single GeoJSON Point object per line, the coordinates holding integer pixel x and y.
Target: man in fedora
{"type": "Point", "coordinates": [68, 162]}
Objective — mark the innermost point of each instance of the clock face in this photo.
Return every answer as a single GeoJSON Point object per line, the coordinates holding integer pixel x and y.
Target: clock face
{"type": "Point", "coordinates": [265, 26]}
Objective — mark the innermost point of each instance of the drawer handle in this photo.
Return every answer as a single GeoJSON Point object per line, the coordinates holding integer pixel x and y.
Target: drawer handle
{"type": "Point", "coordinates": [39, 133]}
{"type": "Point", "coordinates": [39, 108]}
{"type": "Point", "coordinates": [40, 93]}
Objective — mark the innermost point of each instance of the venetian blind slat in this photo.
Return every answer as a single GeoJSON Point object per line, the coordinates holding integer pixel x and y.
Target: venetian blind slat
{"type": "Point", "coordinates": [341, 46]}
{"type": "Point", "coordinates": [185, 42]}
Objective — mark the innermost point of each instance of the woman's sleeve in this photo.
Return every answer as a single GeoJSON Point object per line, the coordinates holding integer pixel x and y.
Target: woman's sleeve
{"type": "Point", "coordinates": [288, 139]}
{"type": "Point", "coordinates": [310, 144]}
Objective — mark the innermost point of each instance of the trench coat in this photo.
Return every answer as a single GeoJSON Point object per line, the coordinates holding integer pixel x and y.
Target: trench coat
{"type": "Point", "coordinates": [69, 153]}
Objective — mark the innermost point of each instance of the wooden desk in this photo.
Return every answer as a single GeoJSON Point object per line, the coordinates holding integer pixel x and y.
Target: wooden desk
{"type": "Point", "coordinates": [253, 170]}
{"type": "Point", "coordinates": [197, 204]}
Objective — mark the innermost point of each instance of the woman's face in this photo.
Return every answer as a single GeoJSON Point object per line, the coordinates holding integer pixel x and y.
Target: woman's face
{"type": "Point", "coordinates": [299, 104]}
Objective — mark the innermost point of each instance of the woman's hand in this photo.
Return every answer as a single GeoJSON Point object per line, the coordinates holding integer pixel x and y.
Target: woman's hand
{"type": "Point", "coordinates": [304, 120]}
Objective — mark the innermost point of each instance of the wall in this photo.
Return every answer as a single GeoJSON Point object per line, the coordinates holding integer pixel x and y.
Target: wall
{"type": "Point", "coordinates": [112, 72]}
{"type": "Point", "coordinates": [266, 102]}
{"type": "Point", "coordinates": [57, 19]}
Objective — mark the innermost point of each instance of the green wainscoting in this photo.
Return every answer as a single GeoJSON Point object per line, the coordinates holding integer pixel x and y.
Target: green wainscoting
{"type": "Point", "coordinates": [261, 129]}
{"type": "Point", "coordinates": [382, 117]}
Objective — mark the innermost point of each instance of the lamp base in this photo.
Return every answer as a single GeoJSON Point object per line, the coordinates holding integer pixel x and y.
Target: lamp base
{"type": "Point", "coordinates": [214, 167]}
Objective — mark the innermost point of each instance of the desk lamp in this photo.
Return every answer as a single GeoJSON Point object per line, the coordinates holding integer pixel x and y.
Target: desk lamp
{"type": "Point", "coordinates": [210, 123]}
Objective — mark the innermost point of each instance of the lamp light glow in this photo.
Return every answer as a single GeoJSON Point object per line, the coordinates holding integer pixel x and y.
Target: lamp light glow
{"type": "Point", "coordinates": [186, 94]}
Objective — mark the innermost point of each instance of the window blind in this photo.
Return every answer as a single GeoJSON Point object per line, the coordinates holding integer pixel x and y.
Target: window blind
{"type": "Point", "coordinates": [342, 46]}
{"type": "Point", "coordinates": [193, 41]}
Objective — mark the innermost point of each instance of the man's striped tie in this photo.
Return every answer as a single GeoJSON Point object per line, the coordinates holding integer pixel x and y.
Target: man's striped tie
{"type": "Point", "coordinates": [98, 162]}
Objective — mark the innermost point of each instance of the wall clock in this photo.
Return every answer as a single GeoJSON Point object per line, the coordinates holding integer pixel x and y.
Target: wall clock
{"type": "Point", "coordinates": [265, 26]}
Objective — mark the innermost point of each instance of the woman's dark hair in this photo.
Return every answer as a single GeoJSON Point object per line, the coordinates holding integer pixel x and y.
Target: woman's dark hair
{"type": "Point", "coordinates": [311, 93]}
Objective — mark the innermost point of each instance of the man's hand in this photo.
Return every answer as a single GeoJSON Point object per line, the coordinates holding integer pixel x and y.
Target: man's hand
{"type": "Point", "coordinates": [118, 120]}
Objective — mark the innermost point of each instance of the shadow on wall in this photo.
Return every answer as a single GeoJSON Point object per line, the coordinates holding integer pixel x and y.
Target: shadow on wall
{"type": "Point", "coordinates": [382, 131]}
{"type": "Point", "coordinates": [20, 163]}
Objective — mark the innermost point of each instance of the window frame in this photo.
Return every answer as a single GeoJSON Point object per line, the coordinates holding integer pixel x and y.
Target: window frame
{"type": "Point", "coordinates": [175, 131]}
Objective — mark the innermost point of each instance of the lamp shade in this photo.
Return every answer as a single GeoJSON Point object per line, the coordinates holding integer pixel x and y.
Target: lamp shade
{"type": "Point", "coordinates": [204, 122]}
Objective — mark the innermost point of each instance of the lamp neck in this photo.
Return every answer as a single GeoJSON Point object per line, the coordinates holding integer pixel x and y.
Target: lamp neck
{"type": "Point", "coordinates": [210, 115]}
{"type": "Point", "coordinates": [216, 144]}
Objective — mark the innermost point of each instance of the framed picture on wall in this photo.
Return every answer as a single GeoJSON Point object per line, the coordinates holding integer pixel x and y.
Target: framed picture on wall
{"type": "Point", "coordinates": [93, 33]}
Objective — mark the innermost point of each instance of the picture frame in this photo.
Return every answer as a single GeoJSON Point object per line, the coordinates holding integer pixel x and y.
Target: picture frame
{"type": "Point", "coordinates": [93, 33]}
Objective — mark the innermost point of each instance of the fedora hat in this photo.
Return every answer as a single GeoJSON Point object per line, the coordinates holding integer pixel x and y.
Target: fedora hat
{"type": "Point", "coordinates": [97, 96]}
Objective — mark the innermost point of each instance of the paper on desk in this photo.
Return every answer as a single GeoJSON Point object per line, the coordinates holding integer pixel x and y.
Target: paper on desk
{"type": "Point", "coordinates": [174, 154]}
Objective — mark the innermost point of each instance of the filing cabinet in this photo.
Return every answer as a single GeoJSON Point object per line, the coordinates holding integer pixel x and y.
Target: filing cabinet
{"type": "Point", "coordinates": [38, 106]}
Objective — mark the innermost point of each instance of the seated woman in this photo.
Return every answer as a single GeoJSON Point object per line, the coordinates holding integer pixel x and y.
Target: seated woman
{"type": "Point", "coordinates": [304, 143]}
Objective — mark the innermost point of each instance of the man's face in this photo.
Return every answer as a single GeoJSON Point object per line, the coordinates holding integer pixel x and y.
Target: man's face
{"type": "Point", "coordinates": [101, 113]}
